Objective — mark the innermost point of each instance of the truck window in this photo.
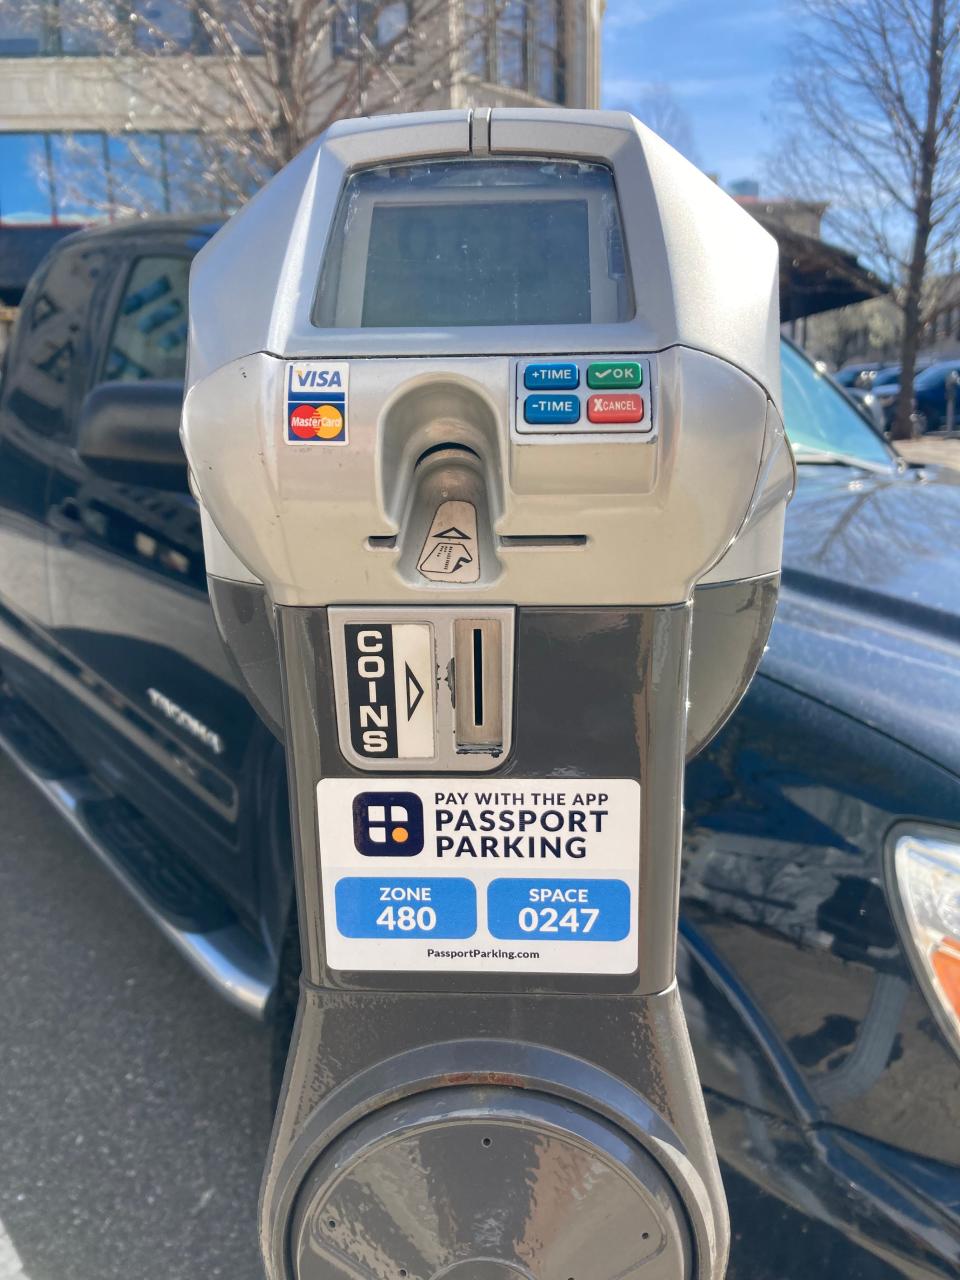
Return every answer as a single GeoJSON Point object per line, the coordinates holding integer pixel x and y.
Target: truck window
{"type": "Point", "coordinates": [149, 338]}
{"type": "Point", "coordinates": [44, 368]}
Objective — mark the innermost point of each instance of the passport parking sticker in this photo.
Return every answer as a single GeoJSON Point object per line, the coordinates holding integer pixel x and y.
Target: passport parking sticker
{"type": "Point", "coordinates": [315, 402]}
{"type": "Point", "coordinates": [536, 875]}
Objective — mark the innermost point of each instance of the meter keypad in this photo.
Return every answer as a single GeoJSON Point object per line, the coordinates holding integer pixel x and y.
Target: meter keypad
{"type": "Point", "coordinates": [584, 398]}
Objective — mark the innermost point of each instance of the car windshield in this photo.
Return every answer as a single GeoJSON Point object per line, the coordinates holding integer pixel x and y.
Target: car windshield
{"type": "Point", "coordinates": [821, 422]}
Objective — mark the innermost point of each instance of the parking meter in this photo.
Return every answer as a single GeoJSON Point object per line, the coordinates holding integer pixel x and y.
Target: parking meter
{"type": "Point", "coordinates": [483, 417]}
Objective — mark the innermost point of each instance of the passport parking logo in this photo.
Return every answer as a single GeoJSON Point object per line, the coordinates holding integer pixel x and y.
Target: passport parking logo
{"type": "Point", "coordinates": [388, 824]}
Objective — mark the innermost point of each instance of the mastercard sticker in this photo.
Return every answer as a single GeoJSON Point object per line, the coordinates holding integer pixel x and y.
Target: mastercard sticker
{"type": "Point", "coordinates": [316, 403]}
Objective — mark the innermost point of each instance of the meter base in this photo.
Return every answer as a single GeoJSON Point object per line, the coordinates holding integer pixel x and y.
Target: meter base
{"type": "Point", "coordinates": [595, 1138]}
{"type": "Point", "coordinates": [488, 1182]}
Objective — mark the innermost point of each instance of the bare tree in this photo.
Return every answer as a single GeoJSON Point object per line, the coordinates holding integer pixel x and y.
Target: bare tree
{"type": "Point", "coordinates": [874, 104]}
{"type": "Point", "coordinates": [657, 106]}
{"type": "Point", "coordinates": [246, 83]}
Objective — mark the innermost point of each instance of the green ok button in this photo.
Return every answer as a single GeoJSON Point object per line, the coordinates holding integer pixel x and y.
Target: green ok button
{"type": "Point", "coordinates": [614, 373]}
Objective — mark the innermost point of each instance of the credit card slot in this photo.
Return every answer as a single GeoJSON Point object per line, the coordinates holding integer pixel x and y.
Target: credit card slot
{"type": "Point", "coordinates": [509, 541]}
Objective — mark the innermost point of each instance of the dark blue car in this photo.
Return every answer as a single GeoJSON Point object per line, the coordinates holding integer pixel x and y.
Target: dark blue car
{"type": "Point", "coordinates": [934, 387]}
{"type": "Point", "coordinates": [820, 962]}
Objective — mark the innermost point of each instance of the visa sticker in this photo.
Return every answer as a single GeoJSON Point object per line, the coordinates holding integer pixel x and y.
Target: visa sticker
{"type": "Point", "coordinates": [316, 402]}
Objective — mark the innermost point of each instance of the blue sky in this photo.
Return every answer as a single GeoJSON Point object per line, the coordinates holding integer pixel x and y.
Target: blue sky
{"type": "Point", "coordinates": [720, 58]}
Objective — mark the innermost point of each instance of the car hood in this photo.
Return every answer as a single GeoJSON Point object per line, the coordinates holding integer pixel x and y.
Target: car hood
{"type": "Point", "coordinates": [869, 613]}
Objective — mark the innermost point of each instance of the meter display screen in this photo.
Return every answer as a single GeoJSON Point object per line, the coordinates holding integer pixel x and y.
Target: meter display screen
{"type": "Point", "coordinates": [478, 263]}
{"type": "Point", "coordinates": [471, 242]}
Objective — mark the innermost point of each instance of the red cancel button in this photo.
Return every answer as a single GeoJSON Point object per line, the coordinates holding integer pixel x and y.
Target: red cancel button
{"type": "Point", "coordinates": [615, 408]}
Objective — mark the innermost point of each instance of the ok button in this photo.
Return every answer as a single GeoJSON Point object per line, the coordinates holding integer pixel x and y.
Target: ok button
{"type": "Point", "coordinates": [551, 410]}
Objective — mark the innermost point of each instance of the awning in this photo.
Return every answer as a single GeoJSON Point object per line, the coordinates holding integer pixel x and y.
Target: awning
{"type": "Point", "coordinates": [815, 276]}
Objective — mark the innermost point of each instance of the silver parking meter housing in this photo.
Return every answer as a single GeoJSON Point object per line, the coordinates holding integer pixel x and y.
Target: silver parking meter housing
{"type": "Point", "coordinates": [483, 416]}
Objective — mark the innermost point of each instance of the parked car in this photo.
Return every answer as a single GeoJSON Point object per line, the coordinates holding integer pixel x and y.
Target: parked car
{"type": "Point", "coordinates": [858, 375]}
{"type": "Point", "coordinates": [819, 951]}
{"type": "Point", "coordinates": [932, 389]}
{"type": "Point", "coordinates": [867, 403]}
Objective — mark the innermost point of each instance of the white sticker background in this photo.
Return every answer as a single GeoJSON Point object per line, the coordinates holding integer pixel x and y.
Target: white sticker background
{"type": "Point", "coordinates": [407, 863]}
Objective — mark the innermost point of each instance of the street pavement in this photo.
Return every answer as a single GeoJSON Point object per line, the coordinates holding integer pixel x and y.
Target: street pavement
{"type": "Point", "coordinates": [932, 450]}
{"type": "Point", "coordinates": [134, 1103]}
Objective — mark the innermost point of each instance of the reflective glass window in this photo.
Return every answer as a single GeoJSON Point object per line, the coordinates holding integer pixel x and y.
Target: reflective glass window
{"type": "Point", "coordinates": [477, 31]}
{"type": "Point", "coordinates": [40, 390]}
{"type": "Point", "coordinates": [164, 26]}
{"type": "Point", "coordinates": [138, 173]}
{"type": "Point", "coordinates": [22, 32]}
{"type": "Point", "coordinates": [547, 50]}
{"type": "Point", "coordinates": [392, 21]}
{"type": "Point", "coordinates": [80, 187]}
{"type": "Point", "coordinates": [25, 194]}
{"type": "Point", "coordinates": [80, 31]}
{"type": "Point", "coordinates": [511, 45]}
{"type": "Point", "coordinates": [149, 338]}
{"type": "Point", "coordinates": [236, 18]}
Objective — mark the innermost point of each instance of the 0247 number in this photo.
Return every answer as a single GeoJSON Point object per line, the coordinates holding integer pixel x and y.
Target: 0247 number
{"type": "Point", "coordinates": [550, 920]}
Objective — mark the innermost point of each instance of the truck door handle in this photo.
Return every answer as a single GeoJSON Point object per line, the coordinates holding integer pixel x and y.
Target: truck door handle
{"type": "Point", "coordinates": [66, 520]}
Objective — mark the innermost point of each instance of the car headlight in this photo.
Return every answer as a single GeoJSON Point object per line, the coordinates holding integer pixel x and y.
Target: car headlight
{"type": "Point", "coordinates": [927, 872]}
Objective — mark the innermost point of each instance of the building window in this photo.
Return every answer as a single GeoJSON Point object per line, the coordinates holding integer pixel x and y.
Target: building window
{"type": "Point", "coordinates": [518, 44]}
{"type": "Point", "coordinates": [25, 194]}
{"type": "Point", "coordinates": [72, 30]}
{"type": "Point", "coordinates": [165, 26]}
{"type": "Point", "coordinates": [70, 27]}
{"type": "Point", "coordinates": [78, 176]}
{"type": "Point", "coordinates": [22, 35]}
{"type": "Point", "coordinates": [83, 177]}
{"type": "Point", "coordinates": [548, 51]}
{"type": "Point", "coordinates": [368, 24]}
{"type": "Point", "coordinates": [512, 45]}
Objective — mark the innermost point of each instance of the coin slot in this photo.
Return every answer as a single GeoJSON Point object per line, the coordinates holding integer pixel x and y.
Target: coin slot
{"type": "Point", "coordinates": [477, 676]}
{"type": "Point", "coordinates": [478, 684]}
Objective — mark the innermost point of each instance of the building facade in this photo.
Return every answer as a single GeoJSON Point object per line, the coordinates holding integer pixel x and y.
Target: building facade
{"type": "Point", "coordinates": [80, 141]}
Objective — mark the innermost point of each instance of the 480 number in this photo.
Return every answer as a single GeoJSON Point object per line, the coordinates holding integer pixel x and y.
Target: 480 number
{"type": "Point", "coordinates": [406, 919]}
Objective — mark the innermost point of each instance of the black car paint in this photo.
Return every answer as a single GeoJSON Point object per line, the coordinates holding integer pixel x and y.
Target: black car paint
{"type": "Point", "coordinates": [123, 606]}
{"type": "Point", "coordinates": [834, 1097]}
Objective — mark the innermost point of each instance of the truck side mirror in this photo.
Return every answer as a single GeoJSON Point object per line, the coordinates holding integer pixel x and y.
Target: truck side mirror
{"type": "Point", "coordinates": [130, 432]}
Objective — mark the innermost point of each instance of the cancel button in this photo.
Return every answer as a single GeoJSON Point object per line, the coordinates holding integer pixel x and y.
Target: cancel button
{"type": "Point", "coordinates": [615, 408]}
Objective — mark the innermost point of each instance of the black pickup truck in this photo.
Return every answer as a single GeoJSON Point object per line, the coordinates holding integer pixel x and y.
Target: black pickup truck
{"type": "Point", "coordinates": [820, 941]}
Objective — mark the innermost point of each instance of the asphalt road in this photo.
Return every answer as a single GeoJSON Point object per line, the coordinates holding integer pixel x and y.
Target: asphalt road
{"type": "Point", "coordinates": [134, 1104]}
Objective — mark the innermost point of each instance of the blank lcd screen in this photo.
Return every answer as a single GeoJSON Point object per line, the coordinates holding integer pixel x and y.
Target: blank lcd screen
{"type": "Point", "coordinates": [444, 244]}
{"type": "Point", "coordinates": [496, 262]}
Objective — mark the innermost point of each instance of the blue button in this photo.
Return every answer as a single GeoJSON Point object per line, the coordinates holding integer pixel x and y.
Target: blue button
{"type": "Point", "coordinates": [551, 409]}
{"type": "Point", "coordinates": [406, 907]}
{"type": "Point", "coordinates": [554, 376]}
{"type": "Point", "coordinates": [559, 910]}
